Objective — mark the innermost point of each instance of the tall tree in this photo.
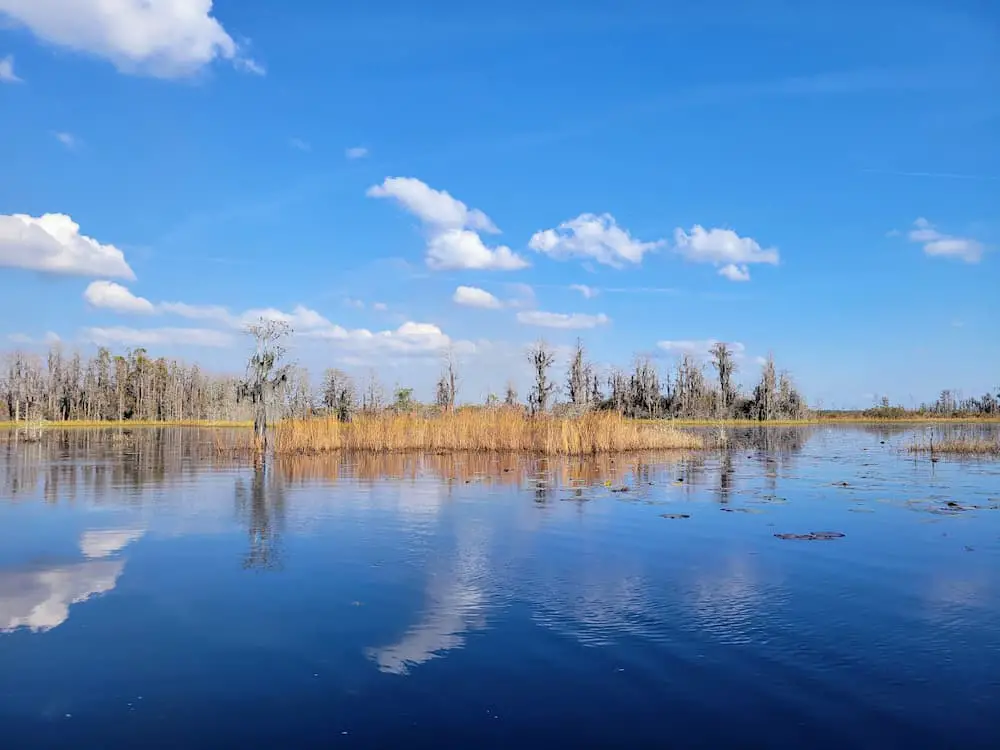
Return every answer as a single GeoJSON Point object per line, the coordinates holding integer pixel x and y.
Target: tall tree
{"type": "Point", "coordinates": [264, 375]}
{"type": "Point", "coordinates": [541, 358]}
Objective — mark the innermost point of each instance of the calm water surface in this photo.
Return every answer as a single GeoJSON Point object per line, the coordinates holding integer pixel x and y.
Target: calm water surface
{"type": "Point", "coordinates": [152, 595]}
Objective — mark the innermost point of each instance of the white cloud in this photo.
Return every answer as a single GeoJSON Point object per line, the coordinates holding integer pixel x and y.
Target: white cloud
{"type": "Point", "coordinates": [7, 74]}
{"type": "Point", "coordinates": [524, 295]}
{"type": "Point", "coordinates": [471, 296]}
{"type": "Point", "coordinates": [592, 237]}
{"type": "Point", "coordinates": [299, 145]}
{"type": "Point", "coordinates": [453, 240]}
{"type": "Point", "coordinates": [938, 244]}
{"type": "Point", "coordinates": [410, 339]}
{"type": "Point", "coordinates": [357, 152]}
{"type": "Point", "coordinates": [723, 247]}
{"type": "Point", "coordinates": [40, 599]}
{"type": "Point", "coordinates": [52, 243]}
{"type": "Point", "coordinates": [357, 304]}
{"type": "Point", "coordinates": [103, 543]}
{"type": "Point", "coordinates": [198, 312]}
{"type": "Point", "coordinates": [108, 295]}
{"type": "Point", "coordinates": [734, 272]}
{"type": "Point", "coordinates": [380, 307]}
{"type": "Point", "coordinates": [121, 336]}
{"type": "Point", "coordinates": [169, 38]}
{"type": "Point", "coordinates": [67, 139]}
{"type": "Point", "coordinates": [561, 320]}
{"type": "Point", "coordinates": [588, 292]}
{"type": "Point", "coordinates": [300, 319]}
{"type": "Point", "coordinates": [50, 337]}
{"type": "Point", "coordinates": [436, 208]}
{"type": "Point", "coordinates": [699, 348]}
{"type": "Point", "coordinates": [457, 249]}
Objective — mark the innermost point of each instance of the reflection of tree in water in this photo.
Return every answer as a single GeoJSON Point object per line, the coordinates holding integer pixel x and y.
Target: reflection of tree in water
{"type": "Point", "coordinates": [261, 506]}
{"type": "Point", "coordinates": [725, 476]}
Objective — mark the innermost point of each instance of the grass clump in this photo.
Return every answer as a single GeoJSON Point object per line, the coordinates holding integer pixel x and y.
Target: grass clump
{"type": "Point", "coordinates": [968, 446]}
{"type": "Point", "coordinates": [490, 430]}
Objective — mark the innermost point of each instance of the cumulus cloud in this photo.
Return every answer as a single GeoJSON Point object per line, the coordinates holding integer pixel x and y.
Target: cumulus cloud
{"type": "Point", "coordinates": [588, 292]}
{"type": "Point", "coordinates": [457, 249]}
{"type": "Point", "coordinates": [7, 74]}
{"type": "Point", "coordinates": [592, 237]}
{"type": "Point", "coordinates": [108, 295]}
{"type": "Point", "coordinates": [561, 320]}
{"type": "Point", "coordinates": [433, 207]}
{"type": "Point", "coordinates": [52, 243]}
{"type": "Point", "coordinates": [453, 240]}
{"type": "Point", "coordinates": [941, 245]}
{"type": "Point", "coordinates": [725, 248]}
{"type": "Point", "coordinates": [410, 339]}
{"type": "Point", "coordinates": [735, 272]}
{"type": "Point", "coordinates": [471, 296]}
{"type": "Point", "coordinates": [698, 348]}
{"type": "Point", "coordinates": [356, 152]}
{"type": "Point", "coordinates": [146, 337]}
{"type": "Point", "coordinates": [39, 599]}
{"type": "Point", "coordinates": [165, 39]}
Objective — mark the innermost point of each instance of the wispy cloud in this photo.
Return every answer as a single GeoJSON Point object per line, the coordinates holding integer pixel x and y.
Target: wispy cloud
{"type": "Point", "coordinates": [299, 145]}
{"type": "Point", "coordinates": [934, 175]}
{"type": "Point", "coordinates": [588, 292]}
{"type": "Point", "coordinates": [69, 140]}
{"type": "Point", "coordinates": [561, 320]}
{"type": "Point", "coordinates": [356, 152]}
{"type": "Point", "coordinates": [941, 245]}
{"type": "Point", "coordinates": [7, 74]}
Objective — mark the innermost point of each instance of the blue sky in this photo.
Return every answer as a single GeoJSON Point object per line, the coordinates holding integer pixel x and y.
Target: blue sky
{"type": "Point", "coordinates": [818, 180]}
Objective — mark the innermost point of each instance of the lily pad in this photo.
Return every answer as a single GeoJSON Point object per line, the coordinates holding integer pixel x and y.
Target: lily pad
{"type": "Point", "coordinates": [675, 515]}
{"type": "Point", "coordinates": [813, 536]}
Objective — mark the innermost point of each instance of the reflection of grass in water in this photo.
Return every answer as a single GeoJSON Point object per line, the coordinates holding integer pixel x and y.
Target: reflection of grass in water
{"type": "Point", "coordinates": [126, 423]}
{"type": "Point", "coordinates": [967, 446]}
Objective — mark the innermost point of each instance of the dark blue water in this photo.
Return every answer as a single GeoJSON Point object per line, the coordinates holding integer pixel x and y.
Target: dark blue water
{"type": "Point", "coordinates": [152, 596]}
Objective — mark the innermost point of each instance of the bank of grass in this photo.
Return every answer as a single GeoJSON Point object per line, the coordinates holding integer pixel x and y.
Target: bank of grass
{"type": "Point", "coordinates": [962, 446]}
{"type": "Point", "coordinates": [494, 430]}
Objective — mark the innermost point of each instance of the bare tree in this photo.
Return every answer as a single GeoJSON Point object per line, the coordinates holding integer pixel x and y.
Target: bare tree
{"type": "Point", "coordinates": [725, 366]}
{"type": "Point", "coordinates": [510, 395]}
{"type": "Point", "coordinates": [764, 406]}
{"type": "Point", "coordinates": [578, 378]}
{"type": "Point", "coordinates": [264, 376]}
{"type": "Point", "coordinates": [374, 396]}
{"type": "Point", "coordinates": [541, 358]}
{"type": "Point", "coordinates": [339, 394]}
{"type": "Point", "coordinates": [446, 391]}
{"type": "Point", "coordinates": [644, 395]}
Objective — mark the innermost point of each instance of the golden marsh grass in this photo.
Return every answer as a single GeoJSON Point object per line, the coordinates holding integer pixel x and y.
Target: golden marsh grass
{"type": "Point", "coordinates": [966, 446]}
{"type": "Point", "coordinates": [495, 431]}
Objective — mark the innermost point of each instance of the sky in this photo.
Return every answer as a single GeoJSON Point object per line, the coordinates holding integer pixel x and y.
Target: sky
{"type": "Point", "coordinates": [820, 181]}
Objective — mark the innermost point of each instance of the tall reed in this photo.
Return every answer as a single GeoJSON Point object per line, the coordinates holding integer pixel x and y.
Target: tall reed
{"type": "Point", "coordinates": [493, 430]}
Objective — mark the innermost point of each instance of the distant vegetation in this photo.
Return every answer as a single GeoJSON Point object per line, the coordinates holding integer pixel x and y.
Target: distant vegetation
{"type": "Point", "coordinates": [137, 388]}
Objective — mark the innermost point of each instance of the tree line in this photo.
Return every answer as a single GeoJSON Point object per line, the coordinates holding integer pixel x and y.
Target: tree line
{"type": "Point", "coordinates": [135, 386]}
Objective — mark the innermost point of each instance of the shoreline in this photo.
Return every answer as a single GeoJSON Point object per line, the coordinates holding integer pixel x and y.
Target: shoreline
{"type": "Point", "coordinates": [248, 424]}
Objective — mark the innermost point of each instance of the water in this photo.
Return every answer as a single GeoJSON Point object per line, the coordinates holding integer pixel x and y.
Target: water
{"type": "Point", "coordinates": [153, 595]}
